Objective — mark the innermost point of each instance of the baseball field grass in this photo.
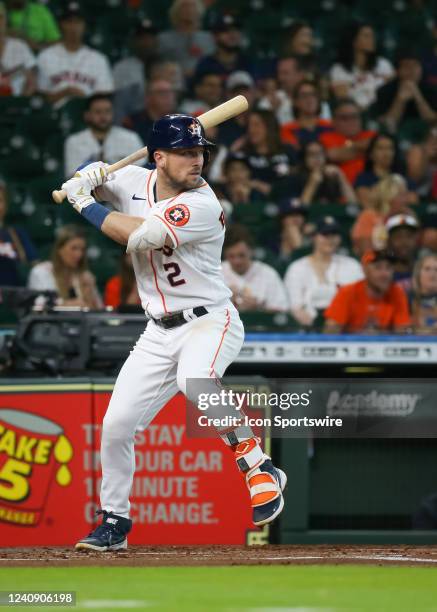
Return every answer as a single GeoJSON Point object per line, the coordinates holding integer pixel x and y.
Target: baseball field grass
{"type": "Point", "coordinates": [234, 589]}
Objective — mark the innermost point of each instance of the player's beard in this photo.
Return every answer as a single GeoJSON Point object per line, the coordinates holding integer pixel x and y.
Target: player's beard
{"type": "Point", "coordinates": [176, 184]}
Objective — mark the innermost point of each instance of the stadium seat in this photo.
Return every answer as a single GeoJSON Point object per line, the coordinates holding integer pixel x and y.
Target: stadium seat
{"type": "Point", "coordinates": [71, 116]}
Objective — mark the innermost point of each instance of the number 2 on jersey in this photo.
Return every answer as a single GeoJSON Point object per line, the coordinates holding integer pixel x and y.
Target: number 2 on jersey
{"type": "Point", "coordinates": [174, 274]}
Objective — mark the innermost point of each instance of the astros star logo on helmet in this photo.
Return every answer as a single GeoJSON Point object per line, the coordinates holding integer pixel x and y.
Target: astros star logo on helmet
{"type": "Point", "coordinates": [177, 215]}
{"type": "Point", "coordinates": [195, 129]}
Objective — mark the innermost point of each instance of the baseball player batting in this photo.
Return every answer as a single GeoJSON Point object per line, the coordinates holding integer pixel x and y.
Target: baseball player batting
{"type": "Point", "coordinates": [173, 225]}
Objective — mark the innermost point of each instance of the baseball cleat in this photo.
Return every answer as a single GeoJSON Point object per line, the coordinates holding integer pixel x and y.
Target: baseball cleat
{"type": "Point", "coordinates": [264, 481]}
{"type": "Point", "coordinates": [110, 535]}
{"type": "Point", "coordinates": [265, 484]}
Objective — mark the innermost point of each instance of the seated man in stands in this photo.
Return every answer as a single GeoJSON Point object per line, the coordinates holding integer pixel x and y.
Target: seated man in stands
{"type": "Point", "coordinates": [406, 97]}
{"type": "Point", "coordinates": [254, 285]}
{"type": "Point", "coordinates": [101, 139]}
{"type": "Point", "coordinates": [348, 143]}
{"type": "Point", "coordinates": [71, 69]}
{"type": "Point", "coordinates": [403, 242]}
{"type": "Point", "coordinates": [371, 305]}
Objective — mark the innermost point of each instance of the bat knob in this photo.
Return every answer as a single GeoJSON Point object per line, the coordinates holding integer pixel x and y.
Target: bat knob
{"type": "Point", "coordinates": [58, 196]}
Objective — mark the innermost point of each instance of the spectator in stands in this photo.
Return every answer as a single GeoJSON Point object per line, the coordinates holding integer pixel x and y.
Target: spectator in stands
{"type": "Point", "coordinates": [406, 97]}
{"type": "Point", "coordinates": [101, 140]}
{"type": "Point", "coordinates": [429, 60]}
{"type": "Point", "coordinates": [239, 82]}
{"type": "Point", "coordinates": [359, 71]}
{"type": "Point", "coordinates": [165, 70]}
{"type": "Point", "coordinates": [70, 69]}
{"type": "Point", "coordinates": [371, 305]}
{"type": "Point", "coordinates": [294, 230]}
{"type": "Point", "coordinates": [423, 297]}
{"type": "Point", "coordinates": [316, 180]}
{"type": "Point", "coordinates": [186, 42]}
{"type": "Point", "coordinates": [347, 144]}
{"type": "Point", "coordinates": [428, 238]}
{"type": "Point", "coordinates": [67, 273]}
{"type": "Point", "coordinates": [308, 126]}
{"type": "Point", "coordinates": [121, 290]}
{"type": "Point", "coordinates": [298, 41]}
{"type": "Point", "coordinates": [15, 246]}
{"type": "Point", "coordinates": [313, 280]}
{"type": "Point", "coordinates": [390, 196]}
{"type": "Point", "coordinates": [160, 100]}
{"type": "Point", "coordinates": [269, 159]}
{"type": "Point", "coordinates": [32, 22]}
{"type": "Point", "coordinates": [403, 242]}
{"type": "Point", "coordinates": [17, 63]}
{"type": "Point", "coordinates": [254, 285]}
{"type": "Point", "coordinates": [208, 92]}
{"type": "Point", "coordinates": [238, 186]}
{"type": "Point", "coordinates": [422, 163]}
{"type": "Point", "coordinates": [228, 56]}
{"type": "Point", "coordinates": [382, 159]}
{"type": "Point", "coordinates": [278, 94]}
{"type": "Point", "coordinates": [130, 72]}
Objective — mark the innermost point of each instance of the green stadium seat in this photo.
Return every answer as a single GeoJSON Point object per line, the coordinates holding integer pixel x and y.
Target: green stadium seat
{"type": "Point", "coordinates": [261, 219]}
{"type": "Point", "coordinates": [41, 224]}
{"type": "Point", "coordinates": [24, 160]}
{"type": "Point", "coordinates": [71, 116]}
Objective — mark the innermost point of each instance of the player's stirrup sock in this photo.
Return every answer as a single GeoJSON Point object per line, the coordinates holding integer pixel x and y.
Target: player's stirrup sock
{"type": "Point", "coordinates": [264, 481]}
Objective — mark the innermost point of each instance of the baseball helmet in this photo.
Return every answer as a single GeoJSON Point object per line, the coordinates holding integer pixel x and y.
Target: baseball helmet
{"type": "Point", "coordinates": [178, 132]}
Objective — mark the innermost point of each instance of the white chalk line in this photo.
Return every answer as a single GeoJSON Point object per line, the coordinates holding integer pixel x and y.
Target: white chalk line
{"type": "Point", "coordinates": [349, 557]}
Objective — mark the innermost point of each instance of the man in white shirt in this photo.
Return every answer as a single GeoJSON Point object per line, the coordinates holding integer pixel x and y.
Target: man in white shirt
{"type": "Point", "coordinates": [254, 284]}
{"type": "Point", "coordinates": [312, 281]}
{"type": "Point", "coordinates": [101, 139]}
{"type": "Point", "coordinates": [17, 63]}
{"type": "Point", "coordinates": [70, 69]}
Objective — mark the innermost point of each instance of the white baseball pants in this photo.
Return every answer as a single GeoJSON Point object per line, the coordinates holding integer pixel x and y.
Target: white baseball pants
{"type": "Point", "coordinates": [157, 368]}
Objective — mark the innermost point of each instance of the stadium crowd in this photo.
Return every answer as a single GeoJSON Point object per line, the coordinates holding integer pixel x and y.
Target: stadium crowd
{"type": "Point", "coordinates": [328, 182]}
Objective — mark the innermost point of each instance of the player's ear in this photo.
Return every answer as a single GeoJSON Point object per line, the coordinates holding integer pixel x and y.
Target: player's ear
{"type": "Point", "coordinates": [159, 159]}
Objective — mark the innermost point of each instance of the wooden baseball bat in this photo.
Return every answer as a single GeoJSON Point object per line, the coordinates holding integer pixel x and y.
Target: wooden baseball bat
{"type": "Point", "coordinates": [215, 116]}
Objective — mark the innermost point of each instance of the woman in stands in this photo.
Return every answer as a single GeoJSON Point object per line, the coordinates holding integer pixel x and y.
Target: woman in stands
{"type": "Point", "coordinates": [382, 160]}
{"type": "Point", "coordinates": [298, 42]}
{"type": "Point", "coordinates": [390, 196]}
{"type": "Point", "coordinates": [359, 71]}
{"type": "Point", "coordinates": [269, 159]}
{"type": "Point", "coordinates": [67, 272]}
{"type": "Point", "coordinates": [316, 180]}
{"type": "Point", "coordinates": [423, 300]}
{"type": "Point", "coordinates": [313, 280]}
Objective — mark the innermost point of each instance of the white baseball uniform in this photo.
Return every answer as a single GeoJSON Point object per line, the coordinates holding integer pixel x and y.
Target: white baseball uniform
{"type": "Point", "coordinates": [169, 280]}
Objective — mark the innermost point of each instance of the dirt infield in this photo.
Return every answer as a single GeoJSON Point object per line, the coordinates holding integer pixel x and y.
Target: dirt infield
{"type": "Point", "coordinates": [141, 556]}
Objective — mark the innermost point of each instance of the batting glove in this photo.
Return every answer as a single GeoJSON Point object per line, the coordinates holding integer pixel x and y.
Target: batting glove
{"type": "Point", "coordinates": [78, 193]}
{"type": "Point", "coordinates": [96, 174]}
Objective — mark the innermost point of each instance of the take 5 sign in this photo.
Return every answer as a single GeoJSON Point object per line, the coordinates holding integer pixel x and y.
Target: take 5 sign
{"type": "Point", "coordinates": [185, 490]}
